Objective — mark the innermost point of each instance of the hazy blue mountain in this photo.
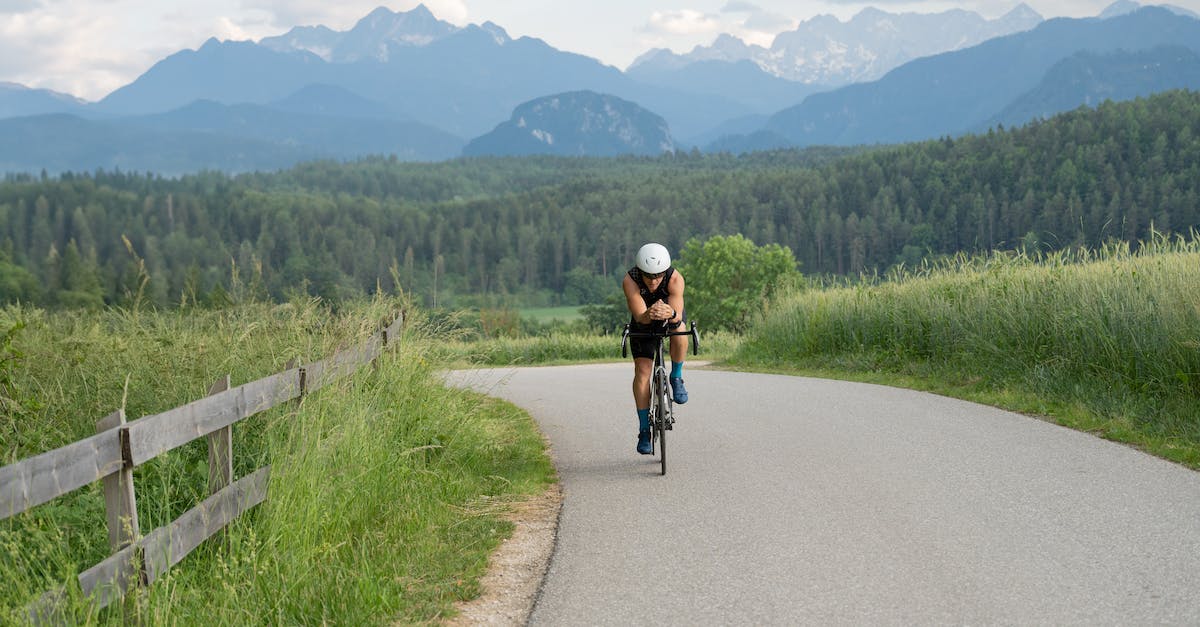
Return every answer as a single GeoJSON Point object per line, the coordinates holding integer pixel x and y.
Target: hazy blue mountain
{"type": "Point", "coordinates": [748, 142]}
{"type": "Point", "coordinates": [319, 40]}
{"type": "Point", "coordinates": [729, 131]}
{"type": "Point", "coordinates": [208, 135]}
{"type": "Point", "coordinates": [321, 136]}
{"type": "Point", "coordinates": [954, 92]}
{"type": "Point", "coordinates": [826, 51]}
{"type": "Point", "coordinates": [1089, 78]}
{"type": "Point", "coordinates": [19, 100]}
{"type": "Point", "coordinates": [743, 82]}
{"type": "Point", "coordinates": [472, 79]}
{"type": "Point", "coordinates": [581, 123]}
{"type": "Point", "coordinates": [408, 68]}
{"type": "Point", "coordinates": [394, 79]}
{"type": "Point", "coordinates": [1122, 7]}
{"type": "Point", "coordinates": [369, 39]}
{"type": "Point", "coordinates": [334, 101]}
{"type": "Point", "coordinates": [61, 142]}
{"type": "Point", "coordinates": [229, 72]}
{"type": "Point", "coordinates": [464, 82]}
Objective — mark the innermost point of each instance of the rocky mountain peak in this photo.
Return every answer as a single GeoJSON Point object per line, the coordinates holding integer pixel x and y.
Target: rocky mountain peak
{"type": "Point", "coordinates": [369, 38]}
{"type": "Point", "coordinates": [826, 51]}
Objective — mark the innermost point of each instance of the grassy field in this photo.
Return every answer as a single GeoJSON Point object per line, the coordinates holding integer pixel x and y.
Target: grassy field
{"type": "Point", "coordinates": [562, 348]}
{"type": "Point", "coordinates": [548, 314]}
{"type": "Point", "coordinates": [1107, 342]}
{"type": "Point", "coordinates": [387, 490]}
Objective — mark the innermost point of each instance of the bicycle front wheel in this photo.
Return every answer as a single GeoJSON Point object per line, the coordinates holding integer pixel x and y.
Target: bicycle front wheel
{"type": "Point", "coordinates": [660, 394]}
{"type": "Point", "coordinates": [662, 449]}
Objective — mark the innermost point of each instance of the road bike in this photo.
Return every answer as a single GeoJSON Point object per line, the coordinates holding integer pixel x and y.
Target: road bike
{"type": "Point", "coordinates": [662, 404]}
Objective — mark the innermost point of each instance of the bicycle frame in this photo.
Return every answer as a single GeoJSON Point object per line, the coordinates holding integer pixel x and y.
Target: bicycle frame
{"type": "Point", "coordinates": [662, 405]}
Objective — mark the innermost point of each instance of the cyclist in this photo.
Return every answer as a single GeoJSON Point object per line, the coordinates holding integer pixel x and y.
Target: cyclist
{"type": "Point", "coordinates": [654, 294]}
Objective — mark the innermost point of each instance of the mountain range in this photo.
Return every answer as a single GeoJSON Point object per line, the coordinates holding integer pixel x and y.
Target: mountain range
{"type": "Point", "coordinates": [417, 87]}
{"type": "Point", "coordinates": [826, 51]}
{"type": "Point", "coordinates": [953, 93]}
{"type": "Point", "coordinates": [1088, 78]}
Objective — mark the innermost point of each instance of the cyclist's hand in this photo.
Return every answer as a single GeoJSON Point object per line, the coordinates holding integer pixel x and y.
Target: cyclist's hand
{"type": "Point", "coordinates": [660, 311]}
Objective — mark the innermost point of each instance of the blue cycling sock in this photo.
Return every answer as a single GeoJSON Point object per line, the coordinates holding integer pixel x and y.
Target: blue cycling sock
{"type": "Point", "coordinates": [676, 369]}
{"type": "Point", "coordinates": [644, 419]}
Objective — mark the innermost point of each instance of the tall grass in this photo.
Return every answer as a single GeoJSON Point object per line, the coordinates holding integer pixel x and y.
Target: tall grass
{"type": "Point", "coordinates": [1114, 331]}
{"type": "Point", "coordinates": [386, 489]}
{"type": "Point", "coordinates": [562, 348]}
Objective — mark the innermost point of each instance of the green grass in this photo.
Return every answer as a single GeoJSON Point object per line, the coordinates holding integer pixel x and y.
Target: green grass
{"type": "Point", "coordinates": [562, 348]}
{"type": "Point", "coordinates": [548, 314]}
{"type": "Point", "coordinates": [1107, 342]}
{"type": "Point", "coordinates": [387, 490]}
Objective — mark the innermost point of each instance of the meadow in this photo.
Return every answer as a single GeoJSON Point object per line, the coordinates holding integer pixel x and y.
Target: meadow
{"type": "Point", "coordinates": [387, 490]}
{"type": "Point", "coordinates": [1105, 341]}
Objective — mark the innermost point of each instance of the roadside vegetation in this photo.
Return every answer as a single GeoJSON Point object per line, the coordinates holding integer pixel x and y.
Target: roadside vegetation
{"type": "Point", "coordinates": [1105, 341]}
{"type": "Point", "coordinates": [387, 490]}
{"type": "Point", "coordinates": [729, 278]}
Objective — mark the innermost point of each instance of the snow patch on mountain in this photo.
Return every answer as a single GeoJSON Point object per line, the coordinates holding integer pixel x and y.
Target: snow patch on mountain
{"type": "Point", "coordinates": [825, 50]}
{"type": "Point", "coordinates": [370, 38]}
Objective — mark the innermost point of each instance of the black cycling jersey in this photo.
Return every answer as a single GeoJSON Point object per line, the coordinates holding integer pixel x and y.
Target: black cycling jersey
{"type": "Point", "coordinates": [643, 347]}
{"type": "Point", "coordinates": [649, 297]}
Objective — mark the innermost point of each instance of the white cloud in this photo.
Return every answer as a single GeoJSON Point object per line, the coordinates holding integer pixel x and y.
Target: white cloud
{"type": "Point", "coordinates": [683, 22]}
{"type": "Point", "coordinates": [758, 26]}
{"type": "Point", "coordinates": [736, 6]}
{"type": "Point", "coordinates": [67, 51]}
{"type": "Point", "coordinates": [454, 11]}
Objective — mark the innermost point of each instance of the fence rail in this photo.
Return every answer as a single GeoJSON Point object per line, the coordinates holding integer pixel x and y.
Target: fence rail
{"type": "Point", "coordinates": [119, 446]}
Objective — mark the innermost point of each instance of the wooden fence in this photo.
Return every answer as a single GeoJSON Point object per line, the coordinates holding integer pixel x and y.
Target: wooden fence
{"type": "Point", "coordinates": [119, 446]}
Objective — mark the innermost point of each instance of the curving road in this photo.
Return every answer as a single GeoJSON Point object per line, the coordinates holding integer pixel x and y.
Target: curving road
{"type": "Point", "coordinates": [796, 500]}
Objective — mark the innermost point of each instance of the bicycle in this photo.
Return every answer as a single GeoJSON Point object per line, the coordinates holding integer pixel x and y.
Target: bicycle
{"type": "Point", "coordinates": [662, 404]}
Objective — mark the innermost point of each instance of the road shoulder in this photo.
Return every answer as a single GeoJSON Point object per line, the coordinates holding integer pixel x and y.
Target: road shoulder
{"type": "Point", "coordinates": [517, 567]}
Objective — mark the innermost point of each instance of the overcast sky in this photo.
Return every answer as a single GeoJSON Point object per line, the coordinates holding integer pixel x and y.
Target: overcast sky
{"type": "Point", "coordinates": [90, 47]}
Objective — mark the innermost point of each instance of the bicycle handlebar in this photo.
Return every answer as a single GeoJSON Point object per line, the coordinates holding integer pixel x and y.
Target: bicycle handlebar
{"type": "Point", "coordinates": [626, 334]}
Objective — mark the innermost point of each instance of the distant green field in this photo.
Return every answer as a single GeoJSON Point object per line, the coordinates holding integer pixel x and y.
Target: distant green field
{"type": "Point", "coordinates": [546, 314]}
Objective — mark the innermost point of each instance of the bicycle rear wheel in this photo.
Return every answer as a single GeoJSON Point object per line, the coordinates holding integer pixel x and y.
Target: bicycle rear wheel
{"type": "Point", "coordinates": [662, 450]}
{"type": "Point", "coordinates": [660, 395]}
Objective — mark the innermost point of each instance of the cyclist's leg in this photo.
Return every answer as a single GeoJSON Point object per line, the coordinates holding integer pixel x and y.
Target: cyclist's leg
{"type": "Point", "coordinates": [679, 347]}
{"type": "Point", "coordinates": [642, 369]}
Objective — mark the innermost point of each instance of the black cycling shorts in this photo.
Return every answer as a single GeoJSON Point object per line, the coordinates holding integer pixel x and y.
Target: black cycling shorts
{"type": "Point", "coordinates": [643, 347]}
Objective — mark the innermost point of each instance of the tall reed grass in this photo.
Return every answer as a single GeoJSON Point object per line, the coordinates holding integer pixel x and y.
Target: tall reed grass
{"type": "Point", "coordinates": [1116, 331]}
{"type": "Point", "coordinates": [386, 490]}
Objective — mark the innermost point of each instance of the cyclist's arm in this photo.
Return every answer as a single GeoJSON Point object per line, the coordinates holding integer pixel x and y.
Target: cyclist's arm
{"type": "Point", "coordinates": [633, 299]}
{"type": "Point", "coordinates": [675, 296]}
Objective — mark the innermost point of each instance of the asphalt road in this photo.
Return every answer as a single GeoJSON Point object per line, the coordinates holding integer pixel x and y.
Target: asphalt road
{"type": "Point", "coordinates": [793, 500]}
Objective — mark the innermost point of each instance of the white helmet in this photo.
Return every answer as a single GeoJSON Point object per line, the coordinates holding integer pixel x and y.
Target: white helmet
{"type": "Point", "coordinates": [653, 258]}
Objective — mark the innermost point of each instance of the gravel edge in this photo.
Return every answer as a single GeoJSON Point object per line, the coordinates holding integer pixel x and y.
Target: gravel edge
{"type": "Point", "coordinates": [516, 568]}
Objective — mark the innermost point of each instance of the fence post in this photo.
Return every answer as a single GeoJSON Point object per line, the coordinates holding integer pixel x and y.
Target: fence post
{"type": "Point", "coordinates": [120, 502]}
{"type": "Point", "coordinates": [292, 363]}
{"type": "Point", "coordinates": [220, 448]}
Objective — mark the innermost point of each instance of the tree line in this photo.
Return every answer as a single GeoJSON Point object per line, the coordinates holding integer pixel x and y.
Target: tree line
{"type": "Point", "coordinates": [542, 230]}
